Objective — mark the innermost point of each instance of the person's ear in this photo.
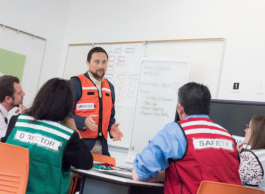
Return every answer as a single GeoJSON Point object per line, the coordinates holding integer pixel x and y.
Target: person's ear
{"type": "Point", "coordinates": [180, 109]}
{"type": "Point", "coordinates": [88, 64]}
{"type": "Point", "coordinates": [8, 99]}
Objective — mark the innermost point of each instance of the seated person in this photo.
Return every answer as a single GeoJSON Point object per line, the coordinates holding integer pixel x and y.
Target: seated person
{"type": "Point", "coordinates": [53, 147]}
{"type": "Point", "coordinates": [11, 96]}
{"type": "Point", "coordinates": [191, 150]}
{"type": "Point", "coordinates": [252, 159]}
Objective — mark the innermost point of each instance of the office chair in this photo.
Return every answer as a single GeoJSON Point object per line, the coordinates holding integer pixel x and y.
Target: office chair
{"type": "Point", "coordinates": [14, 169]}
{"type": "Point", "coordinates": [209, 187]}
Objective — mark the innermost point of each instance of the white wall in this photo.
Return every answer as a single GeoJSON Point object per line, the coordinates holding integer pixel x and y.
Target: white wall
{"type": "Point", "coordinates": [245, 53]}
{"type": "Point", "coordinates": [239, 21]}
{"type": "Point", "coordinates": [45, 18]}
{"type": "Point", "coordinates": [117, 20]}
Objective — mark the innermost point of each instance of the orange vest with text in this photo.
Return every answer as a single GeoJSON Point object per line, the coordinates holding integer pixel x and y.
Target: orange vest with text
{"type": "Point", "coordinates": [89, 104]}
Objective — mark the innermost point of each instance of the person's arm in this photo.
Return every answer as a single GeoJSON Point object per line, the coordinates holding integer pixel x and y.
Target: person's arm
{"type": "Point", "coordinates": [70, 122]}
{"type": "Point", "coordinates": [250, 170]}
{"type": "Point", "coordinates": [169, 143]}
{"type": "Point", "coordinates": [77, 154]}
{"type": "Point", "coordinates": [77, 89]}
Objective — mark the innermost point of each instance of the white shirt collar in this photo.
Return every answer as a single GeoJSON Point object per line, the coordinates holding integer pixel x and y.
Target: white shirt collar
{"type": "Point", "coordinates": [3, 110]}
{"type": "Point", "coordinates": [94, 79]}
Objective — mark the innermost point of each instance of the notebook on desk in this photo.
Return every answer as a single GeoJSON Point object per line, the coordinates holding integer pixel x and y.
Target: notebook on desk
{"type": "Point", "coordinates": [127, 175]}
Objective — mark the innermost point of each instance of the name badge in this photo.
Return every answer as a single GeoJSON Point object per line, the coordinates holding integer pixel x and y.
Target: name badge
{"type": "Point", "coordinates": [213, 143]}
{"type": "Point", "coordinates": [85, 106]}
{"type": "Point", "coordinates": [38, 139]}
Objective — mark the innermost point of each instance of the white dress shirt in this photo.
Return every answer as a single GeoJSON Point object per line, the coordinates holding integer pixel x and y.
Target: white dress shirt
{"type": "Point", "coordinates": [3, 125]}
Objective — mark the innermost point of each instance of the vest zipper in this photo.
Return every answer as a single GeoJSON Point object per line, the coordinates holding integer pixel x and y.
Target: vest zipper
{"type": "Point", "coordinates": [100, 110]}
{"type": "Point", "coordinates": [179, 178]}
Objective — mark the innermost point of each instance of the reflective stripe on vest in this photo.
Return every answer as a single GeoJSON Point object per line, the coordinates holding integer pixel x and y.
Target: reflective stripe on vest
{"type": "Point", "coordinates": [45, 141]}
{"type": "Point", "coordinates": [260, 155]}
{"type": "Point", "coordinates": [89, 104]}
{"type": "Point", "coordinates": [211, 154]}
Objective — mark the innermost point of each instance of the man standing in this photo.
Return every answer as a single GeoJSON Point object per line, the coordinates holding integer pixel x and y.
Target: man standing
{"type": "Point", "coordinates": [94, 103]}
{"type": "Point", "coordinates": [11, 96]}
{"type": "Point", "coordinates": [191, 150]}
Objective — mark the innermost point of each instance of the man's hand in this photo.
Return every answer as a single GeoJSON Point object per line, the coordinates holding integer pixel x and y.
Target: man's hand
{"type": "Point", "coordinates": [90, 123]}
{"type": "Point", "coordinates": [160, 178]}
{"type": "Point", "coordinates": [115, 132]}
{"type": "Point", "coordinates": [21, 109]}
{"type": "Point", "coordinates": [135, 176]}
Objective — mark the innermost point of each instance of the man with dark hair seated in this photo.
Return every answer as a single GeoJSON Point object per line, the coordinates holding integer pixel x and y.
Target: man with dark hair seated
{"type": "Point", "coordinates": [53, 147]}
{"type": "Point", "coordinates": [191, 150]}
{"type": "Point", "coordinates": [11, 96]}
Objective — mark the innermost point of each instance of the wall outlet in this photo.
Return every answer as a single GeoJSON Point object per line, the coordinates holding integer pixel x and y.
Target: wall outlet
{"type": "Point", "coordinates": [260, 89]}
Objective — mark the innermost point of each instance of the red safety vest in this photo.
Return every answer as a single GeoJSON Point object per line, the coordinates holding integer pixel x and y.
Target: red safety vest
{"type": "Point", "coordinates": [89, 104]}
{"type": "Point", "coordinates": [211, 155]}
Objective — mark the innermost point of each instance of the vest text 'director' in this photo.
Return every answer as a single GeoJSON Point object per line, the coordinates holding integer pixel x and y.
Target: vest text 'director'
{"type": "Point", "coordinates": [46, 141]}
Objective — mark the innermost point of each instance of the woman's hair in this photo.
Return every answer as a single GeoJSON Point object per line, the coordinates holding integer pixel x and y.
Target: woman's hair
{"type": "Point", "coordinates": [257, 138]}
{"type": "Point", "coordinates": [53, 102]}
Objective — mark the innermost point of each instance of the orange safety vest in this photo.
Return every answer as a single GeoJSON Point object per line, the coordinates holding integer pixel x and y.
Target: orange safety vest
{"type": "Point", "coordinates": [89, 104]}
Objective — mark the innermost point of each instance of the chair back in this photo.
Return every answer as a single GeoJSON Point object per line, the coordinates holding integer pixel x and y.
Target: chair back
{"type": "Point", "coordinates": [103, 158]}
{"type": "Point", "coordinates": [209, 187]}
{"type": "Point", "coordinates": [14, 169]}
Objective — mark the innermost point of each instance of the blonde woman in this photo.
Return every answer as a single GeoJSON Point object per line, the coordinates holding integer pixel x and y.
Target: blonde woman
{"type": "Point", "coordinates": [252, 159]}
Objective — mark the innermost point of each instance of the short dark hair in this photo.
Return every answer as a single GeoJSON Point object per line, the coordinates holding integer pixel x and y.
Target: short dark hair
{"type": "Point", "coordinates": [53, 102]}
{"type": "Point", "coordinates": [7, 86]}
{"type": "Point", "coordinates": [96, 50]}
{"type": "Point", "coordinates": [195, 98]}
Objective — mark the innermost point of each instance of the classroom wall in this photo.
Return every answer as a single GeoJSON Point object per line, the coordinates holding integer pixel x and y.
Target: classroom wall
{"type": "Point", "coordinates": [45, 18]}
{"type": "Point", "coordinates": [239, 21]}
{"type": "Point", "coordinates": [116, 21]}
{"type": "Point", "coordinates": [245, 53]}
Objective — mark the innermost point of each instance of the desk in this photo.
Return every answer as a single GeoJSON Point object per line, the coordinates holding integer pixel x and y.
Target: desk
{"type": "Point", "coordinates": [100, 183]}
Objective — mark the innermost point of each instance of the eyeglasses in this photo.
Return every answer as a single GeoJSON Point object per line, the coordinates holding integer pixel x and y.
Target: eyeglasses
{"type": "Point", "coordinates": [247, 127]}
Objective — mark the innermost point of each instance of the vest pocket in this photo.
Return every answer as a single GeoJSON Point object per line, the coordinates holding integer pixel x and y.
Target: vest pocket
{"type": "Point", "coordinates": [90, 93]}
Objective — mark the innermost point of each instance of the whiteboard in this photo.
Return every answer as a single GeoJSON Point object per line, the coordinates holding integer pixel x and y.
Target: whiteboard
{"type": "Point", "coordinates": [33, 48]}
{"type": "Point", "coordinates": [157, 98]}
{"type": "Point", "coordinates": [205, 60]}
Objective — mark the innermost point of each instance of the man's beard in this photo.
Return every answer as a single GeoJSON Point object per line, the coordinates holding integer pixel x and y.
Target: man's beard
{"type": "Point", "coordinates": [16, 105]}
{"type": "Point", "coordinates": [96, 75]}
